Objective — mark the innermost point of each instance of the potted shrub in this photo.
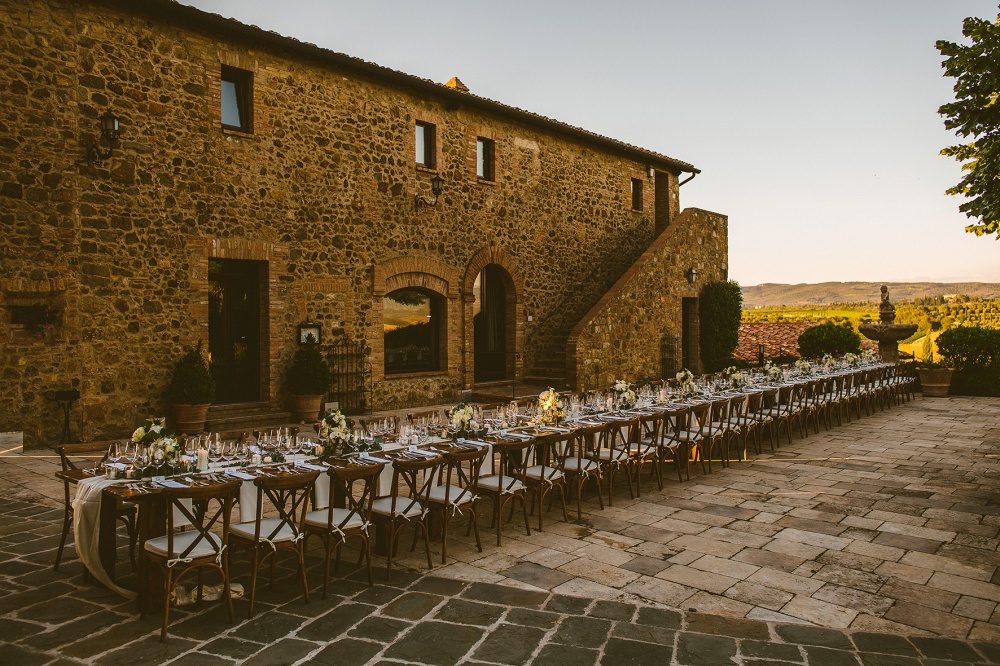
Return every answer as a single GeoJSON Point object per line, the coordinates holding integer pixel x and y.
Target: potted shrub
{"type": "Point", "coordinates": [191, 392]}
{"type": "Point", "coordinates": [935, 378]}
{"type": "Point", "coordinates": [307, 380]}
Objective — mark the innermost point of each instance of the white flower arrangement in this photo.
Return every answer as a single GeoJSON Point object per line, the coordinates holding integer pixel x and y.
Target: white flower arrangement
{"type": "Point", "coordinates": [334, 427]}
{"type": "Point", "coordinates": [624, 393]}
{"type": "Point", "coordinates": [851, 359]}
{"type": "Point", "coordinates": [734, 375]}
{"type": "Point", "coordinates": [829, 362]}
{"type": "Point", "coordinates": [550, 406]}
{"type": "Point", "coordinates": [804, 366]}
{"type": "Point", "coordinates": [159, 441]}
{"type": "Point", "coordinates": [164, 450]}
{"type": "Point", "coordinates": [685, 381]}
{"type": "Point", "coordinates": [869, 356]}
{"type": "Point", "coordinates": [463, 417]}
{"type": "Point", "coordinates": [774, 372]}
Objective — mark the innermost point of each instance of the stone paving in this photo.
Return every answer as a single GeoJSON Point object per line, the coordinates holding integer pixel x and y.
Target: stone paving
{"type": "Point", "coordinates": [878, 540]}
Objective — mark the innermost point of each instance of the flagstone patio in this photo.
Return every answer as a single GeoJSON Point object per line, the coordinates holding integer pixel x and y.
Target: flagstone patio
{"type": "Point", "coordinates": [828, 550]}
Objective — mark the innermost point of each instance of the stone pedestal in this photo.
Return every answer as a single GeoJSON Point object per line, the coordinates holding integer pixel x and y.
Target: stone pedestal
{"type": "Point", "coordinates": [889, 351]}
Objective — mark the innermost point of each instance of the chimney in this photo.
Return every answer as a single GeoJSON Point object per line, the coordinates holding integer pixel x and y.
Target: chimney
{"type": "Point", "coordinates": [457, 84]}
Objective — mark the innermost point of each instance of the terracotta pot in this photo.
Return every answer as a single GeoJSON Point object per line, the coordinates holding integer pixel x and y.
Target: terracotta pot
{"type": "Point", "coordinates": [305, 408]}
{"type": "Point", "coordinates": [190, 419]}
{"type": "Point", "coordinates": [935, 382]}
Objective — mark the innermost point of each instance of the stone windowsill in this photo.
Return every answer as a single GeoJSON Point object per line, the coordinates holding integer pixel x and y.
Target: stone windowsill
{"type": "Point", "coordinates": [414, 375]}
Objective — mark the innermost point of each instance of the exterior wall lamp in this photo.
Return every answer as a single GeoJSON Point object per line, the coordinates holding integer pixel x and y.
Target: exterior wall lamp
{"type": "Point", "coordinates": [437, 185]}
{"type": "Point", "coordinates": [110, 134]}
{"type": "Point", "coordinates": [692, 275]}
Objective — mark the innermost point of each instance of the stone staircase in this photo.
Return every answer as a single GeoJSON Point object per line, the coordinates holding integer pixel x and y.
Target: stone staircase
{"type": "Point", "coordinates": [245, 415]}
{"type": "Point", "coordinates": [548, 371]}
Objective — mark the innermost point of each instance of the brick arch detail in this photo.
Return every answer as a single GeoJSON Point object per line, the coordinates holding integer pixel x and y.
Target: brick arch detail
{"type": "Point", "coordinates": [484, 257]}
{"type": "Point", "coordinates": [415, 271]}
{"type": "Point", "coordinates": [515, 329]}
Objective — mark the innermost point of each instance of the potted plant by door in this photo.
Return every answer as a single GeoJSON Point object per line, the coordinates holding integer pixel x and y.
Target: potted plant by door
{"type": "Point", "coordinates": [307, 380]}
{"type": "Point", "coordinates": [191, 392]}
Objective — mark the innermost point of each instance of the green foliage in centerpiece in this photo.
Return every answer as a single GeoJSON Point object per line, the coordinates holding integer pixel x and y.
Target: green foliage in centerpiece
{"type": "Point", "coordinates": [160, 442]}
{"type": "Point", "coordinates": [463, 422]}
{"type": "Point", "coordinates": [192, 382]}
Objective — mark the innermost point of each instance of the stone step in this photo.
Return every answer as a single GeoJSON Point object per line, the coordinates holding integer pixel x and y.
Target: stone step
{"type": "Point", "coordinates": [248, 420]}
{"type": "Point", "coordinates": [235, 408]}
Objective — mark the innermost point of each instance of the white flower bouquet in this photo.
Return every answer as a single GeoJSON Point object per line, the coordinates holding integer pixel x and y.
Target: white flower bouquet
{"type": "Point", "coordinates": [685, 382]}
{"type": "Point", "coordinates": [462, 417]}
{"type": "Point", "coordinates": [160, 442]}
{"type": "Point", "coordinates": [334, 427]}
{"type": "Point", "coordinates": [550, 406]}
{"type": "Point", "coordinates": [804, 366]}
{"type": "Point", "coordinates": [774, 372]}
{"type": "Point", "coordinates": [829, 362]}
{"type": "Point", "coordinates": [624, 393]}
{"type": "Point", "coordinates": [734, 375]}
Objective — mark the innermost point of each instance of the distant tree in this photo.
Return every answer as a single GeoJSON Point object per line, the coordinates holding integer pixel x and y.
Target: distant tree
{"type": "Point", "coordinates": [720, 307]}
{"type": "Point", "coordinates": [975, 115]}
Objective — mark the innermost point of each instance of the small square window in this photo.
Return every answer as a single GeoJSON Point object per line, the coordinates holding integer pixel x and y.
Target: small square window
{"type": "Point", "coordinates": [636, 194]}
{"type": "Point", "coordinates": [237, 99]}
{"type": "Point", "coordinates": [425, 146]}
{"type": "Point", "coordinates": [484, 158]}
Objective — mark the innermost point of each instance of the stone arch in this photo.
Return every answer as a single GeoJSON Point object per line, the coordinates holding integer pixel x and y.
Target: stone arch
{"type": "Point", "coordinates": [515, 310]}
{"type": "Point", "coordinates": [425, 273]}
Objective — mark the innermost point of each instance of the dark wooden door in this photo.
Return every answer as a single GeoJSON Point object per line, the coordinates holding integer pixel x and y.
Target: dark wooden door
{"type": "Point", "coordinates": [234, 325]}
{"type": "Point", "coordinates": [490, 325]}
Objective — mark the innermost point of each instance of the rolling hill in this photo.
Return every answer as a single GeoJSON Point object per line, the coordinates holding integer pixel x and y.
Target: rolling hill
{"type": "Point", "coordinates": [822, 293]}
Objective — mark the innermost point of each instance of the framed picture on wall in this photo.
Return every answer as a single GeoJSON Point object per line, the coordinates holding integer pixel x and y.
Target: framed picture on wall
{"type": "Point", "coordinates": [310, 333]}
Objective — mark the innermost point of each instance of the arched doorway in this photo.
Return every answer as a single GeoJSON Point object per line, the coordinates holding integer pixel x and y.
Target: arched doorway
{"type": "Point", "coordinates": [493, 324]}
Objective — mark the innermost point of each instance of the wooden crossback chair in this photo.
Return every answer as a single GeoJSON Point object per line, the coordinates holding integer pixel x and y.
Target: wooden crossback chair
{"type": "Point", "coordinates": [126, 511]}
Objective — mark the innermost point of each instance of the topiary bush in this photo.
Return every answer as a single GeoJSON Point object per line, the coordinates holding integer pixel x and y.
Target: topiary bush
{"type": "Point", "coordinates": [974, 352]}
{"type": "Point", "coordinates": [309, 373]}
{"type": "Point", "coordinates": [968, 347]}
{"type": "Point", "coordinates": [720, 307]}
{"type": "Point", "coordinates": [829, 338]}
{"type": "Point", "coordinates": [192, 382]}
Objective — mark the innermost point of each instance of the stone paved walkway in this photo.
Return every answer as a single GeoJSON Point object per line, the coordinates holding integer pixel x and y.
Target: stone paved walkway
{"type": "Point", "coordinates": [884, 528]}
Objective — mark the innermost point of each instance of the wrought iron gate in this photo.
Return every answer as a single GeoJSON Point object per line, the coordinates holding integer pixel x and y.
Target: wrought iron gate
{"type": "Point", "coordinates": [352, 376]}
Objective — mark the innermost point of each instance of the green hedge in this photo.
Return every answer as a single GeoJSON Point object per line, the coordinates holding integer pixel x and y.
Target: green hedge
{"type": "Point", "coordinates": [968, 347]}
{"type": "Point", "coordinates": [829, 338]}
{"type": "Point", "coordinates": [720, 307]}
{"type": "Point", "coordinates": [975, 353]}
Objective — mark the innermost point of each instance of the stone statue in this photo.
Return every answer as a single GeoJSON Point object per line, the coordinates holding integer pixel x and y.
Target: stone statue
{"type": "Point", "coordinates": [886, 310]}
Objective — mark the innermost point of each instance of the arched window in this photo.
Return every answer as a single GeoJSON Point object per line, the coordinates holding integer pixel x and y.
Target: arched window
{"type": "Point", "coordinates": [412, 321]}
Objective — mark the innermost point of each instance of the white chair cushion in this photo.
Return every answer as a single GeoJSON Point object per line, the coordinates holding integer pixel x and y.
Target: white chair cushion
{"type": "Point", "coordinates": [383, 507]}
{"type": "Point", "coordinates": [182, 540]}
{"type": "Point", "coordinates": [267, 525]}
{"type": "Point", "coordinates": [611, 455]}
{"type": "Point", "coordinates": [579, 465]}
{"type": "Point", "coordinates": [458, 495]}
{"type": "Point", "coordinates": [541, 472]}
{"type": "Point", "coordinates": [318, 518]}
{"type": "Point", "coordinates": [492, 482]}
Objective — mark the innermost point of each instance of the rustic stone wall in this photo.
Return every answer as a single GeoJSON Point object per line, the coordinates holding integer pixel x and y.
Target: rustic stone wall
{"type": "Point", "coordinates": [621, 336]}
{"type": "Point", "coordinates": [322, 190]}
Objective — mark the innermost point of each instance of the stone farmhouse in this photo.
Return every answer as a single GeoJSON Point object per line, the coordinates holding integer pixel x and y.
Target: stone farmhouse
{"type": "Point", "coordinates": [260, 190]}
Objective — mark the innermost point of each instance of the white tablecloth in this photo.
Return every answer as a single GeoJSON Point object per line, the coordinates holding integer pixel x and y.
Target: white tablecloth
{"type": "Point", "coordinates": [86, 529]}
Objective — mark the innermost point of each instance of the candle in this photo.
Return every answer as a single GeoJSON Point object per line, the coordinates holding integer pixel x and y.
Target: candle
{"type": "Point", "coordinates": [202, 459]}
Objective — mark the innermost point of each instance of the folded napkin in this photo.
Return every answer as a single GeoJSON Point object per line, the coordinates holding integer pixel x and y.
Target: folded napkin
{"type": "Point", "coordinates": [170, 483]}
{"type": "Point", "coordinates": [235, 473]}
{"type": "Point", "coordinates": [562, 431]}
{"type": "Point", "coordinates": [309, 466]}
{"type": "Point", "coordinates": [368, 456]}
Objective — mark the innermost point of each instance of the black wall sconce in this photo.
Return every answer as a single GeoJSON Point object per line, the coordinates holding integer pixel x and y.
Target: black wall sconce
{"type": "Point", "coordinates": [692, 275]}
{"type": "Point", "coordinates": [109, 136]}
{"type": "Point", "coordinates": [437, 184]}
